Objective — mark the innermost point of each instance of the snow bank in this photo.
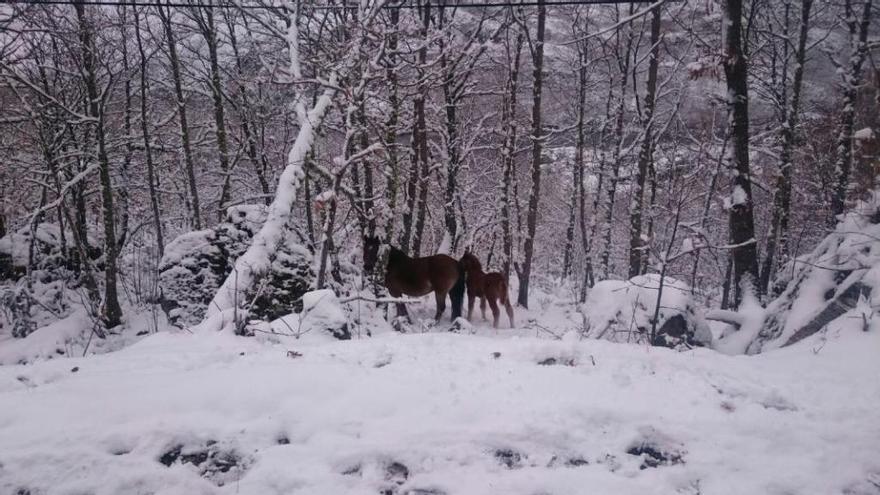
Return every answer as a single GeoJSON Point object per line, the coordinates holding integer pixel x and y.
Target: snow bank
{"type": "Point", "coordinates": [623, 311]}
{"type": "Point", "coordinates": [53, 340]}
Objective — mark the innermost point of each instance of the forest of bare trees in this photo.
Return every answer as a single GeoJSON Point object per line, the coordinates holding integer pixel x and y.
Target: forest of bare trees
{"type": "Point", "coordinates": [703, 140]}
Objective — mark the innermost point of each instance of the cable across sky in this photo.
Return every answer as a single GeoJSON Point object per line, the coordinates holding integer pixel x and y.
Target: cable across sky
{"type": "Point", "coordinates": [242, 5]}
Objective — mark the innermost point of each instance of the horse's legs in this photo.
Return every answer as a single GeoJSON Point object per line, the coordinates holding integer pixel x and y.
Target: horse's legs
{"type": "Point", "coordinates": [495, 312]}
{"type": "Point", "coordinates": [483, 305]}
{"type": "Point", "coordinates": [401, 308]}
{"type": "Point", "coordinates": [509, 308]}
{"type": "Point", "coordinates": [401, 311]}
{"type": "Point", "coordinates": [441, 304]}
{"type": "Point", "coordinates": [471, 300]}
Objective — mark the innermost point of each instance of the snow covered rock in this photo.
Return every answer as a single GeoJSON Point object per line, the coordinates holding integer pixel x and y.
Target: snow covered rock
{"type": "Point", "coordinates": [322, 314]}
{"type": "Point", "coordinates": [195, 264]}
{"type": "Point", "coordinates": [53, 250]}
{"type": "Point", "coordinates": [623, 311]}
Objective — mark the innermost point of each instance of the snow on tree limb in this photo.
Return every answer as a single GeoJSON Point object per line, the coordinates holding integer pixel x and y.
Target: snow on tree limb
{"type": "Point", "coordinates": [258, 256]}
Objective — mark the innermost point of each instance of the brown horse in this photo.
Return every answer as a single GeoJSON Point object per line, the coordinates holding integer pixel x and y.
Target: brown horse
{"type": "Point", "coordinates": [486, 286]}
{"type": "Point", "coordinates": [419, 276]}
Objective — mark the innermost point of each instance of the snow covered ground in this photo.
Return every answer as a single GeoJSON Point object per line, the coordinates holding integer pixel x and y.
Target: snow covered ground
{"type": "Point", "coordinates": [441, 413]}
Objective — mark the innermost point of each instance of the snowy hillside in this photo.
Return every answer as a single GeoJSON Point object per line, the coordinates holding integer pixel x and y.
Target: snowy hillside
{"type": "Point", "coordinates": [442, 413]}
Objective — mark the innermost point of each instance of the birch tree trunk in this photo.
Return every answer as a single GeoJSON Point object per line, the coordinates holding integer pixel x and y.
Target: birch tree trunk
{"type": "Point", "coordinates": [509, 102]}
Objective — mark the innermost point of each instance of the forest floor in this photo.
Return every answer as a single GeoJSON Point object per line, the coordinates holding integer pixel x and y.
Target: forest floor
{"type": "Point", "coordinates": [506, 412]}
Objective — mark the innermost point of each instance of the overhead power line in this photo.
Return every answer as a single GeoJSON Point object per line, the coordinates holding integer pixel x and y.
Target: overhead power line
{"type": "Point", "coordinates": [231, 5]}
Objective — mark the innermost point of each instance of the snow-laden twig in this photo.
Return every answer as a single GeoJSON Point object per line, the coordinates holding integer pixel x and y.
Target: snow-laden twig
{"type": "Point", "coordinates": [66, 187]}
{"type": "Point", "coordinates": [622, 22]}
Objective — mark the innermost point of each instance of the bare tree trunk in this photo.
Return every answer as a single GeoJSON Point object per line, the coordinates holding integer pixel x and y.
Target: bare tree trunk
{"type": "Point", "coordinates": [858, 31]}
{"type": "Point", "coordinates": [367, 204]}
{"type": "Point", "coordinates": [148, 148]}
{"type": "Point", "coordinates": [307, 195]}
{"type": "Point", "coordinates": [189, 168]}
{"type": "Point", "coordinates": [778, 237]}
{"type": "Point", "coordinates": [205, 19]}
{"type": "Point", "coordinates": [537, 146]}
{"type": "Point", "coordinates": [624, 66]}
{"type": "Point", "coordinates": [589, 275]}
{"type": "Point", "coordinates": [509, 102]}
{"type": "Point", "coordinates": [327, 245]}
{"type": "Point", "coordinates": [742, 222]}
{"type": "Point", "coordinates": [416, 183]}
{"type": "Point", "coordinates": [569, 229]}
{"type": "Point", "coordinates": [257, 159]}
{"type": "Point", "coordinates": [645, 152]}
{"type": "Point", "coordinates": [391, 125]}
{"type": "Point", "coordinates": [580, 149]}
{"type": "Point", "coordinates": [450, 197]}
{"type": "Point", "coordinates": [123, 191]}
{"type": "Point", "coordinates": [453, 164]}
{"type": "Point", "coordinates": [112, 311]}
{"type": "Point", "coordinates": [577, 209]}
{"type": "Point", "coordinates": [420, 139]}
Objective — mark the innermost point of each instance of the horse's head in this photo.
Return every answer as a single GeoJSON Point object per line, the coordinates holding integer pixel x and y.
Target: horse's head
{"type": "Point", "coordinates": [371, 252]}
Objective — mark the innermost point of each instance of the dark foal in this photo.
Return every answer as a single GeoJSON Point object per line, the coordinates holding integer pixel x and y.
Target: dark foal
{"type": "Point", "coordinates": [417, 277]}
{"type": "Point", "coordinates": [486, 286]}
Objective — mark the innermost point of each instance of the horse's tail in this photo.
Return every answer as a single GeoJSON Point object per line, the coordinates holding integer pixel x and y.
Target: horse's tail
{"type": "Point", "coordinates": [456, 294]}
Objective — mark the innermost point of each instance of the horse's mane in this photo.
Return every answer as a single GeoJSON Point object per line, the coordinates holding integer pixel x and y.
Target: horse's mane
{"type": "Point", "coordinates": [473, 260]}
{"type": "Point", "coordinates": [396, 254]}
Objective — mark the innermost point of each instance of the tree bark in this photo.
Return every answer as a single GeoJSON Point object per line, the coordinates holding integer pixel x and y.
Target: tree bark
{"type": "Point", "coordinates": [742, 222]}
{"type": "Point", "coordinates": [778, 236]}
{"type": "Point", "coordinates": [257, 159]}
{"type": "Point", "coordinates": [416, 185]}
{"type": "Point", "coordinates": [624, 65]}
{"type": "Point", "coordinates": [843, 163]}
{"type": "Point", "coordinates": [509, 102]}
{"type": "Point", "coordinates": [537, 146]}
{"type": "Point", "coordinates": [189, 168]}
{"type": "Point", "coordinates": [112, 312]}
{"type": "Point", "coordinates": [205, 20]}
{"type": "Point", "coordinates": [580, 149]}
{"type": "Point", "coordinates": [421, 140]}
{"type": "Point", "coordinates": [152, 183]}
{"type": "Point", "coordinates": [645, 151]}
{"type": "Point", "coordinates": [391, 124]}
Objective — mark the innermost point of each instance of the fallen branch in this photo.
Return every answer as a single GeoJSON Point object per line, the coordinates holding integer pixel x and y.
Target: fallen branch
{"type": "Point", "coordinates": [380, 300]}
